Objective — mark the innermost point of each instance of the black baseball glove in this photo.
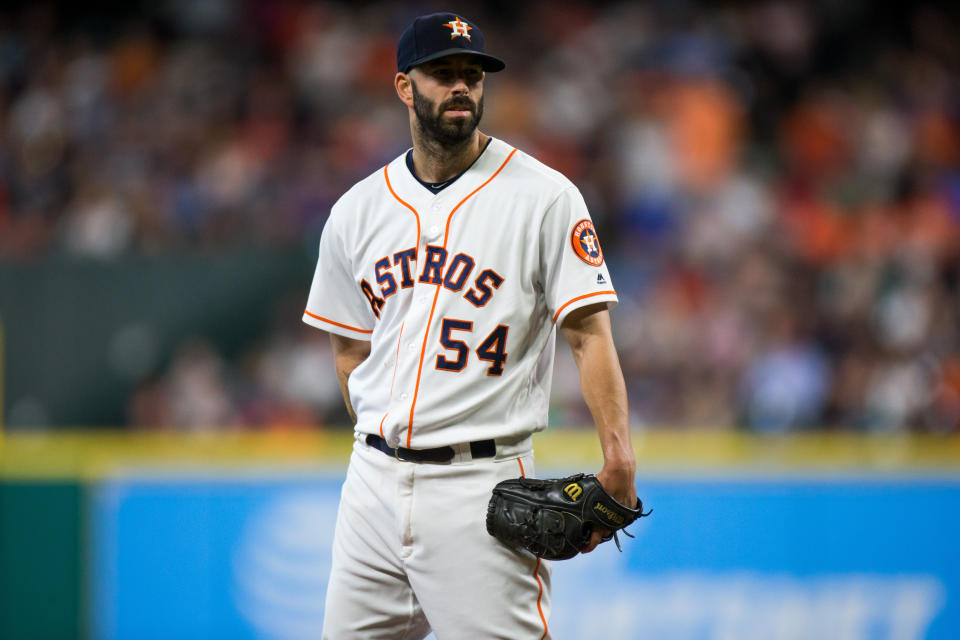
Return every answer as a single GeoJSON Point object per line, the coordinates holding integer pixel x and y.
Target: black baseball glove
{"type": "Point", "coordinates": [553, 518]}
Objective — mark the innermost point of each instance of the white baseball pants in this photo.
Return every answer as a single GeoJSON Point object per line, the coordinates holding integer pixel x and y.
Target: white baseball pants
{"type": "Point", "coordinates": [411, 554]}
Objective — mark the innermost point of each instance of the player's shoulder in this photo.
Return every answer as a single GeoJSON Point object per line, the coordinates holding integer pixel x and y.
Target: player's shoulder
{"type": "Point", "coordinates": [529, 171]}
{"type": "Point", "coordinates": [363, 195]}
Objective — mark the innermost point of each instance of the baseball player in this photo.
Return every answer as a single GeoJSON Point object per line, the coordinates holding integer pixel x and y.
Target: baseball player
{"type": "Point", "coordinates": [442, 278]}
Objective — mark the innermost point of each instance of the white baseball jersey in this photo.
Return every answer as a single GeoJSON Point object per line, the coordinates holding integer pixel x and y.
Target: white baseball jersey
{"type": "Point", "coordinates": [459, 293]}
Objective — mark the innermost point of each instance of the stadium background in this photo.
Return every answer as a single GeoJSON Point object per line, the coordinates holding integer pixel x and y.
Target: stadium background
{"type": "Point", "coordinates": [777, 189]}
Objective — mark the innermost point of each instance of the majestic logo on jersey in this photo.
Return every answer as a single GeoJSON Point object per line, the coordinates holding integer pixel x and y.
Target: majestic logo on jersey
{"type": "Point", "coordinates": [585, 243]}
{"type": "Point", "coordinates": [458, 28]}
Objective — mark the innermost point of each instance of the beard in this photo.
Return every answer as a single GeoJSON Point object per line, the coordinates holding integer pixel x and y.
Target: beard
{"type": "Point", "coordinates": [452, 131]}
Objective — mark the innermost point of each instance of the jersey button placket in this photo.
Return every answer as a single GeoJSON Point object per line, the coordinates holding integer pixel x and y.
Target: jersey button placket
{"type": "Point", "coordinates": [409, 350]}
{"type": "Point", "coordinates": [430, 234]}
{"type": "Point", "coordinates": [436, 220]}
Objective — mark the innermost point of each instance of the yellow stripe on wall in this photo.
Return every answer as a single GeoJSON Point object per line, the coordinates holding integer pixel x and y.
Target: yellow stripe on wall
{"type": "Point", "coordinates": [3, 380]}
{"type": "Point", "coordinates": [90, 454]}
{"type": "Point", "coordinates": [711, 450]}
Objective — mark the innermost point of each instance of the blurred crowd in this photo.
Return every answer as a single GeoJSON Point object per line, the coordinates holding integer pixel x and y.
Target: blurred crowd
{"type": "Point", "coordinates": [776, 185]}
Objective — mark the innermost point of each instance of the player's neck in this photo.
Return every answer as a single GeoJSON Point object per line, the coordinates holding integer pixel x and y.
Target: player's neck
{"type": "Point", "coordinates": [435, 162]}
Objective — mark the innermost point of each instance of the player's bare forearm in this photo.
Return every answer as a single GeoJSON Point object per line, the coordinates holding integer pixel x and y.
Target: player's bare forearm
{"type": "Point", "coordinates": [348, 354]}
{"type": "Point", "coordinates": [601, 381]}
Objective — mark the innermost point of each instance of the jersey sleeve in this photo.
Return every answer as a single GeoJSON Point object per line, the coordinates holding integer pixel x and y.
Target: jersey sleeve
{"type": "Point", "coordinates": [574, 272]}
{"type": "Point", "coordinates": [336, 303]}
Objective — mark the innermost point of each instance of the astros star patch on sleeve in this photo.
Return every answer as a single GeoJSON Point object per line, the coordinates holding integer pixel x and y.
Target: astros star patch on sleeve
{"type": "Point", "coordinates": [585, 243]}
{"type": "Point", "coordinates": [572, 282]}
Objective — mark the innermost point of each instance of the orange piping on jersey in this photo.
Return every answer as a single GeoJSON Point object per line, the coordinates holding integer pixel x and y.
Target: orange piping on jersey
{"type": "Point", "coordinates": [396, 362]}
{"type": "Point", "coordinates": [345, 326]}
{"type": "Point", "coordinates": [386, 177]}
{"type": "Point", "coordinates": [470, 195]}
{"type": "Point", "coordinates": [536, 574]}
{"type": "Point", "coordinates": [523, 474]}
{"type": "Point", "coordinates": [588, 295]}
{"type": "Point", "coordinates": [403, 202]}
{"type": "Point", "coordinates": [436, 294]}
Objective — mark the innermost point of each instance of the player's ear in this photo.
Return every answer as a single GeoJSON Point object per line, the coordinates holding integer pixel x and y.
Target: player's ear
{"type": "Point", "coordinates": [404, 87]}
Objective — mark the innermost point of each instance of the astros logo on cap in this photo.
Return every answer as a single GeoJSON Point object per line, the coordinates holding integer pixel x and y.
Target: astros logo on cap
{"type": "Point", "coordinates": [459, 28]}
{"type": "Point", "coordinates": [585, 243]}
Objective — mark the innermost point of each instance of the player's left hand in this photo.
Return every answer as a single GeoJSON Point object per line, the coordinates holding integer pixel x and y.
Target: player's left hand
{"type": "Point", "coordinates": [618, 482]}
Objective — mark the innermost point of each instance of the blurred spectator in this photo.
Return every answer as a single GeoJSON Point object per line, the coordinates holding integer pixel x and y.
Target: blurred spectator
{"type": "Point", "coordinates": [786, 385]}
{"type": "Point", "coordinates": [197, 390]}
{"type": "Point", "coordinates": [297, 371]}
{"type": "Point", "coordinates": [777, 184]}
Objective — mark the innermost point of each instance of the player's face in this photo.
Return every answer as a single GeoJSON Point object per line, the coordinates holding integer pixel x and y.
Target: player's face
{"type": "Point", "coordinates": [448, 98]}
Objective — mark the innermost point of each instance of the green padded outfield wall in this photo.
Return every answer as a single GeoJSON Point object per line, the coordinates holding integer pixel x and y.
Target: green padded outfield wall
{"type": "Point", "coordinates": [79, 333]}
{"type": "Point", "coordinates": [41, 551]}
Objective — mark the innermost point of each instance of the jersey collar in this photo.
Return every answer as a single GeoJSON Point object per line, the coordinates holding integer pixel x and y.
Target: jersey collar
{"type": "Point", "coordinates": [437, 187]}
{"type": "Point", "coordinates": [410, 189]}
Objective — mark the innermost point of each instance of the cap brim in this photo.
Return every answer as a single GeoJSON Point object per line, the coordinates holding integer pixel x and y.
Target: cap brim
{"type": "Point", "coordinates": [488, 62]}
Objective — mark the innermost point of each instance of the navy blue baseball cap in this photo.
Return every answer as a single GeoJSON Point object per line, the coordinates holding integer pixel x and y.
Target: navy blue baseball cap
{"type": "Point", "coordinates": [442, 34]}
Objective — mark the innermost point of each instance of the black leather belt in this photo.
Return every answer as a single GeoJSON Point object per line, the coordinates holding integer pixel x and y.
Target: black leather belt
{"type": "Point", "coordinates": [478, 449]}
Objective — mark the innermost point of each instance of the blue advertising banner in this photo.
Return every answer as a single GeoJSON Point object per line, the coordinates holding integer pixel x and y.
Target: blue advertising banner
{"type": "Point", "coordinates": [211, 558]}
{"type": "Point", "coordinates": [866, 558]}
{"type": "Point", "coordinates": [848, 558]}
